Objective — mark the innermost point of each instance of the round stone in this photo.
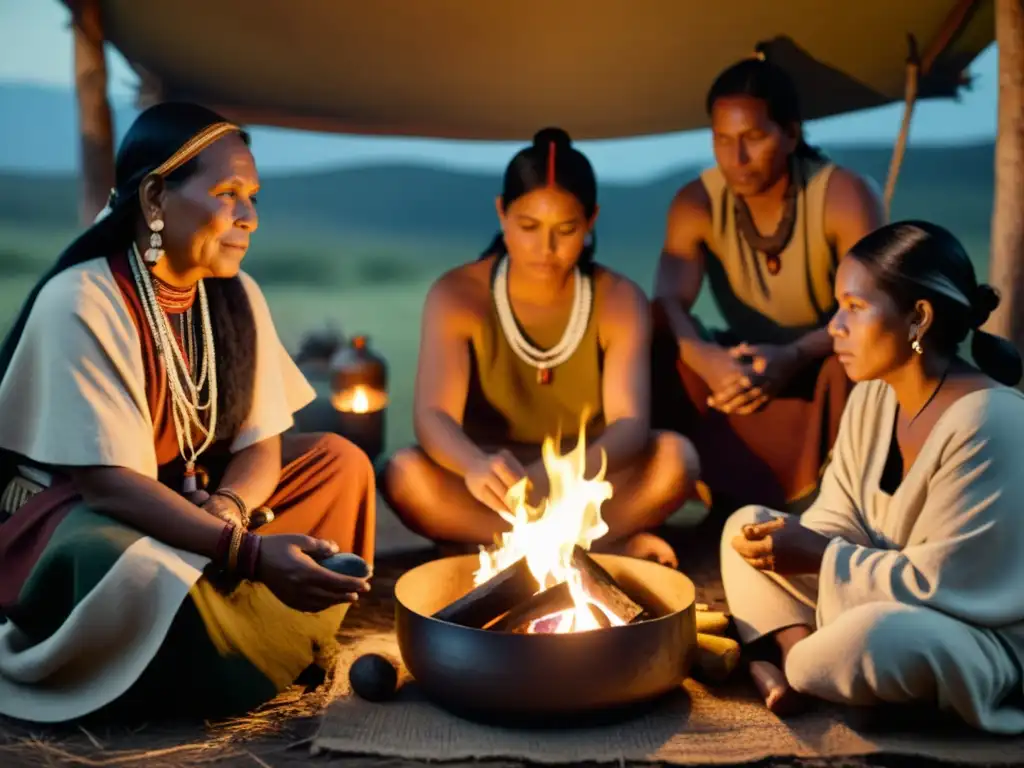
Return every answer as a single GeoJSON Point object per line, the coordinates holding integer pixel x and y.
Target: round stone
{"type": "Point", "coordinates": [373, 677]}
{"type": "Point", "coordinates": [348, 564]}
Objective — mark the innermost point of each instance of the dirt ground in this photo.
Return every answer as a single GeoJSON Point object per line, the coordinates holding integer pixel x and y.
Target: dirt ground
{"type": "Point", "coordinates": [279, 735]}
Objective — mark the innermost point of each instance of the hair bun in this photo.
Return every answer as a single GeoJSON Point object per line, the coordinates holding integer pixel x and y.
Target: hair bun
{"type": "Point", "coordinates": [984, 303]}
{"type": "Point", "coordinates": [546, 136]}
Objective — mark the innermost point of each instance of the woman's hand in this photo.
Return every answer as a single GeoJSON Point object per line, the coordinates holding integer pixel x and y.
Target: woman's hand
{"type": "Point", "coordinates": [539, 486]}
{"type": "Point", "coordinates": [489, 479]}
{"type": "Point", "coordinates": [289, 566]}
{"type": "Point", "coordinates": [782, 545]}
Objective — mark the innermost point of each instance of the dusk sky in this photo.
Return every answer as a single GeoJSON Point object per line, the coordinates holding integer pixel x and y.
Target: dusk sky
{"type": "Point", "coordinates": [36, 48]}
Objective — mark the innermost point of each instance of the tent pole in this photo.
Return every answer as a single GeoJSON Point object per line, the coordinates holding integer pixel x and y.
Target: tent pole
{"type": "Point", "coordinates": [96, 129]}
{"type": "Point", "coordinates": [919, 66]}
{"type": "Point", "coordinates": [910, 99]}
{"type": "Point", "coordinates": [1006, 268]}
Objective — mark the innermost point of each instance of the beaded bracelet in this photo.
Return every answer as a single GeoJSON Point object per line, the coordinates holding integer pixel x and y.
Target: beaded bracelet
{"type": "Point", "coordinates": [220, 553]}
{"type": "Point", "coordinates": [248, 556]}
{"type": "Point", "coordinates": [239, 551]}
{"type": "Point", "coordinates": [238, 501]}
{"type": "Point", "coordinates": [236, 545]}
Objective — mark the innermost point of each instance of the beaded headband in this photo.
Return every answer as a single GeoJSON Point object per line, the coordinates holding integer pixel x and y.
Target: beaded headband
{"type": "Point", "coordinates": [186, 152]}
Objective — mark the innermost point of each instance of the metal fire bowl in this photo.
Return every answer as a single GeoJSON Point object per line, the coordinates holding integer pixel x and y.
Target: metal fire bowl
{"type": "Point", "coordinates": [546, 679]}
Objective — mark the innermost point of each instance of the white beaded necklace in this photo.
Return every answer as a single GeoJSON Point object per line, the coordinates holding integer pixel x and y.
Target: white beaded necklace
{"type": "Point", "coordinates": [185, 406]}
{"type": "Point", "coordinates": [544, 360]}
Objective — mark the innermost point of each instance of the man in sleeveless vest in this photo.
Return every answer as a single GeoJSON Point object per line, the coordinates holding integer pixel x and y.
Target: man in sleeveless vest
{"type": "Point", "coordinates": [761, 399]}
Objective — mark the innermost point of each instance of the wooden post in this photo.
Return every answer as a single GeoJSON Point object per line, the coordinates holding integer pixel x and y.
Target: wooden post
{"type": "Point", "coordinates": [1006, 268]}
{"type": "Point", "coordinates": [96, 125]}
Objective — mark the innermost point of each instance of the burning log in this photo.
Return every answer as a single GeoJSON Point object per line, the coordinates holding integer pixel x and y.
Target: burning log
{"type": "Point", "coordinates": [601, 588]}
{"type": "Point", "coordinates": [551, 601]}
{"type": "Point", "coordinates": [599, 616]}
{"type": "Point", "coordinates": [481, 605]}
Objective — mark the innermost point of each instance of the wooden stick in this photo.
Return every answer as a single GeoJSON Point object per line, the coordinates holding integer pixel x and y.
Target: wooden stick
{"type": "Point", "coordinates": [482, 604]}
{"type": "Point", "coordinates": [554, 600]}
{"type": "Point", "coordinates": [716, 658]}
{"type": "Point", "coordinates": [601, 588]}
{"type": "Point", "coordinates": [96, 123]}
{"type": "Point", "coordinates": [712, 622]}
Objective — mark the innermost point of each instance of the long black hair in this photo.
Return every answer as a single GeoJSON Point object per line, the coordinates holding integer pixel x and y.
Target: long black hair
{"type": "Point", "coordinates": [534, 167]}
{"type": "Point", "coordinates": [157, 133]}
{"type": "Point", "coordinates": [916, 260]}
{"type": "Point", "coordinates": [761, 79]}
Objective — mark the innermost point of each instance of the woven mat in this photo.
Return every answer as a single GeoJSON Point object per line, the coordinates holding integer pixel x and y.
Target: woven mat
{"type": "Point", "coordinates": [697, 726]}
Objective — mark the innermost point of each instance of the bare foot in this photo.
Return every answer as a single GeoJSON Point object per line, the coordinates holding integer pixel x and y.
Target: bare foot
{"type": "Point", "coordinates": [646, 546]}
{"type": "Point", "coordinates": [771, 684]}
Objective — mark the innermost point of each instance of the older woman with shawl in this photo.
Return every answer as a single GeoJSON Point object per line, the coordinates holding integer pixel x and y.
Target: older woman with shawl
{"type": "Point", "coordinates": [145, 396]}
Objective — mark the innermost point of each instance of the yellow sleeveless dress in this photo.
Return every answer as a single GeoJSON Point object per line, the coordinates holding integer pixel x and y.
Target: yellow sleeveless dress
{"type": "Point", "coordinates": [506, 404]}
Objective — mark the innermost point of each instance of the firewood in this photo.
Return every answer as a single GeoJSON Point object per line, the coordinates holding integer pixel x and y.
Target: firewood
{"type": "Point", "coordinates": [712, 622]}
{"type": "Point", "coordinates": [601, 588]}
{"type": "Point", "coordinates": [486, 602]}
{"type": "Point", "coordinates": [554, 600]}
{"type": "Point", "coordinates": [599, 616]}
{"type": "Point", "coordinates": [716, 658]}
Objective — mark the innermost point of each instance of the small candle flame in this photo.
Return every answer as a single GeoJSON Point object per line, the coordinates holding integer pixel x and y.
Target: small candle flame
{"type": "Point", "coordinates": [360, 399]}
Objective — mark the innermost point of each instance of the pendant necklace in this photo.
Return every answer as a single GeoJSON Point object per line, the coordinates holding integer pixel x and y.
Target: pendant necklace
{"type": "Point", "coordinates": [544, 360]}
{"type": "Point", "coordinates": [931, 397]}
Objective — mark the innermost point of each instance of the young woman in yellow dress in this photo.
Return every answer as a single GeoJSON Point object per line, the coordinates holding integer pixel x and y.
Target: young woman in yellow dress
{"type": "Point", "coordinates": [534, 340]}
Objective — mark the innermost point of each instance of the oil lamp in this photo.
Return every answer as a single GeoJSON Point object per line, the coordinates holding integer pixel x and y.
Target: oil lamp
{"type": "Point", "coordinates": [359, 394]}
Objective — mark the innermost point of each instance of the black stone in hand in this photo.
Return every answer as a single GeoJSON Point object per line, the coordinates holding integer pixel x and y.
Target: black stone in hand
{"type": "Point", "coordinates": [348, 564]}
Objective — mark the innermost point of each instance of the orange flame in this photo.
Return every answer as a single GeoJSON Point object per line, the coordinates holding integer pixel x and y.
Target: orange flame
{"type": "Point", "coordinates": [546, 535]}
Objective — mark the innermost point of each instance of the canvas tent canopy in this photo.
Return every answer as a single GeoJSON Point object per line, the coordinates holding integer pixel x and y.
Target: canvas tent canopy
{"type": "Point", "coordinates": [469, 69]}
{"type": "Point", "coordinates": [473, 69]}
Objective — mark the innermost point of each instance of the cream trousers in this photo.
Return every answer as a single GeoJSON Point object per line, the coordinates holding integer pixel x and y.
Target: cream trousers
{"type": "Point", "coordinates": [874, 653]}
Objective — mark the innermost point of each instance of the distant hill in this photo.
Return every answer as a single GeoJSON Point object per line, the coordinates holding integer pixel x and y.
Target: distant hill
{"type": "Point", "coordinates": [400, 206]}
{"type": "Point", "coordinates": [951, 185]}
{"type": "Point", "coordinates": [427, 214]}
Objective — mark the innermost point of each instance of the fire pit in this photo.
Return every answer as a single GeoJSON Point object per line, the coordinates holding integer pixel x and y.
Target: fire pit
{"type": "Point", "coordinates": [538, 629]}
{"type": "Point", "coordinates": [521, 677]}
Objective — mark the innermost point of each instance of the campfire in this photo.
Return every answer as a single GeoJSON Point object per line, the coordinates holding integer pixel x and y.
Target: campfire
{"type": "Point", "coordinates": [539, 577]}
{"type": "Point", "coordinates": [536, 630]}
